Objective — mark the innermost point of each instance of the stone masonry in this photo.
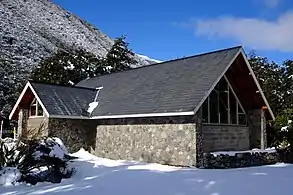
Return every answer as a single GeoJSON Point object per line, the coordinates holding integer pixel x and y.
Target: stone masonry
{"type": "Point", "coordinates": [239, 160]}
{"type": "Point", "coordinates": [165, 140]}
{"type": "Point", "coordinates": [75, 133]}
{"type": "Point", "coordinates": [177, 140]}
{"type": "Point", "coordinates": [199, 139]}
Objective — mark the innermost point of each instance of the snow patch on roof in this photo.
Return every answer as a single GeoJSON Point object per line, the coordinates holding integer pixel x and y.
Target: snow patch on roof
{"type": "Point", "coordinates": [92, 106]}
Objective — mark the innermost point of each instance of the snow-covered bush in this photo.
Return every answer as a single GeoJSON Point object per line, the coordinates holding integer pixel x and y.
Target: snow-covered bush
{"type": "Point", "coordinates": [9, 176]}
{"type": "Point", "coordinates": [279, 134]}
{"type": "Point", "coordinates": [286, 134]}
{"type": "Point", "coordinates": [37, 160]}
{"type": "Point", "coordinates": [8, 151]}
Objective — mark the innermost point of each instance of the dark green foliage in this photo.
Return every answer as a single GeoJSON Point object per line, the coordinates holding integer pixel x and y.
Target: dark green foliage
{"type": "Point", "coordinates": [120, 57]}
{"type": "Point", "coordinates": [271, 78]}
{"type": "Point", "coordinates": [35, 155]}
{"type": "Point", "coordinates": [289, 135]}
{"type": "Point", "coordinates": [288, 84]}
{"type": "Point", "coordinates": [66, 68]}
{"type": "Point", "coordinates": [277, 84]}
{"type": "Point", "coordinates": [3, 154]}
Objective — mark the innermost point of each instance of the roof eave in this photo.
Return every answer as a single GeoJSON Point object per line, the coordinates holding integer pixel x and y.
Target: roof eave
{"type": "Point", "coordinates": [188, 113]}
{"type": "Point", "coordinates": [241, 51]}
{"type": "Point", "coordinates": [218, 79]}
{"type": "Point", "coordinates": [257, 84]}
{"type": "Point", "coordinates": [26, 87]}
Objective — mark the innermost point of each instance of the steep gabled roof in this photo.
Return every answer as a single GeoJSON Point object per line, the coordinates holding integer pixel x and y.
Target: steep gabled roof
{"type": "Point", "coordinates": [174, 86]}
{"type": "Point", "coordinates": [64, 100]}
{"type": "Point", "coordinates": [60, 100]}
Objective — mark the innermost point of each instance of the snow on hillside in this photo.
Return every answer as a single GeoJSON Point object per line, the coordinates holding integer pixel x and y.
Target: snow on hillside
{"type": "Point", "coordinates": [34, 29]}
{"type": "Point", "coordinates": [148, 59]}
{"type": "Point", "coordinates": [108, 177]}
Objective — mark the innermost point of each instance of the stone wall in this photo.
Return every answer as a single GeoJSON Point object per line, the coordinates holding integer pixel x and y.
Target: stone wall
{"type": "Point", "coordinates": [165, 140]}
{"type": "Point", "coordinates": [225, 137]}
{"type": "Point", "coordinates": [246, 159]}
{"type": "Point", "coordinates": [75, 133]}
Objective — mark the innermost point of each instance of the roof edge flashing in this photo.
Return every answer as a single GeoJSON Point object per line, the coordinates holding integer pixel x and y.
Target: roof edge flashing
{"type": "Point", "coordinates": [26, 87]}
{"type": "Point", "coordinates": [189, 113]}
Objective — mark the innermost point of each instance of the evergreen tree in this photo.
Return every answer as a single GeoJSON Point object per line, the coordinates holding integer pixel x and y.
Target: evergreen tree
{"type": "Point", "coordinates": [67, 68]}
{"type": "Point", "coordinates": [271, 78]}
{"type": "Point", "coordinates": [276, 82]}
{"type": "Point", "coordinates": [288, 84]}
{"type": "Point", "coordinates": [120, 57]}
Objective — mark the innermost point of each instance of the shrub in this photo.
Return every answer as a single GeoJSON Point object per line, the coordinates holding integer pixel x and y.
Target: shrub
{"type": "Point", "coordinates": [278, 134]}
{"type": "Point", "coordinates": [37, 160]}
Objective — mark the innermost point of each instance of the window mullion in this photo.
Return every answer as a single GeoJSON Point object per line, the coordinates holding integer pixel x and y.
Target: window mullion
{"type": "Point", "coordinates": [209, 117]}
{"type": "Point", "coordinates": [237, 118]}
{"type": "Point", "coordinates": [234, 94]}
{"type": "Point", "coordinates": [37, 104]}
{"type": "Point", "coordinates": [228, 104]}
{"type": "Point", "coordinates": [218, 107]}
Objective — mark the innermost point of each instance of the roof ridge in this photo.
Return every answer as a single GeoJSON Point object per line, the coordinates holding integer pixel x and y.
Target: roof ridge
{"type": "Point", "coordinates": [172, 60]}
{"type": "Point", "coordinates": [61, 85]}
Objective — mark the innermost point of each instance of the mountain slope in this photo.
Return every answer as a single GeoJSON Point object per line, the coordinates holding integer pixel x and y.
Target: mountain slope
{"type": "Point", "coordinates": [31, 30]}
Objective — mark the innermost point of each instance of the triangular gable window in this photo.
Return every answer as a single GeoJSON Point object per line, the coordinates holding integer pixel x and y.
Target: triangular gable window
{"type": "Point", "coordinates": [36, 109]}
{"type": "Point", "coordinates": [222, 106]}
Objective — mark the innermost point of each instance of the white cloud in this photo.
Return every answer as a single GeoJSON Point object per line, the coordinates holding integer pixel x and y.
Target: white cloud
{"type": "Point", "coordinates": [251, 32]}
{"type": "Point", "coordinates": [271, 3]}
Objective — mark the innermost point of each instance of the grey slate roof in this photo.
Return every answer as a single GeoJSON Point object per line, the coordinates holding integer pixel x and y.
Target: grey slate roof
{"type": "Point", "coordinates": [64, 100]}
{"type": "Point", "coordinates": [172, 86]}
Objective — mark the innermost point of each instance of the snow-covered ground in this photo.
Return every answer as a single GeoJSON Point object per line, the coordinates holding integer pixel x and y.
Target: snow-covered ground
{"type": "Point", "coordinates": [108, 177]}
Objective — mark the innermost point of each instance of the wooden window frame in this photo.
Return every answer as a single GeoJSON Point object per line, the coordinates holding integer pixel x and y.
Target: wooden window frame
{"type": "Point", "coordinates": [35, 103]}
{"type": "Point", "coordinates": [238, 104]}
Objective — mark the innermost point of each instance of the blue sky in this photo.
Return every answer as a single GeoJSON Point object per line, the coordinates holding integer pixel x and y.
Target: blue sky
{"type": "Point", "coordinates": [165, 30]}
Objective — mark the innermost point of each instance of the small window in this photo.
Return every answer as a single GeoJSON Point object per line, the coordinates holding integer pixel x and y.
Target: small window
{"type": "Point", "coordinates": [36, 109]}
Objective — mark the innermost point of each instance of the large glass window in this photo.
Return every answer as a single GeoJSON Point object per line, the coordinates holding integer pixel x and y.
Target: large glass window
{"type": "Point", "coordinates": [222, 106]}
{"type": "Point", "coordinates": [214, 107]}
{"type": "Point", "coordinates": [233, 108]}
{"type": "Point", "coordinates": [36, 109]}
